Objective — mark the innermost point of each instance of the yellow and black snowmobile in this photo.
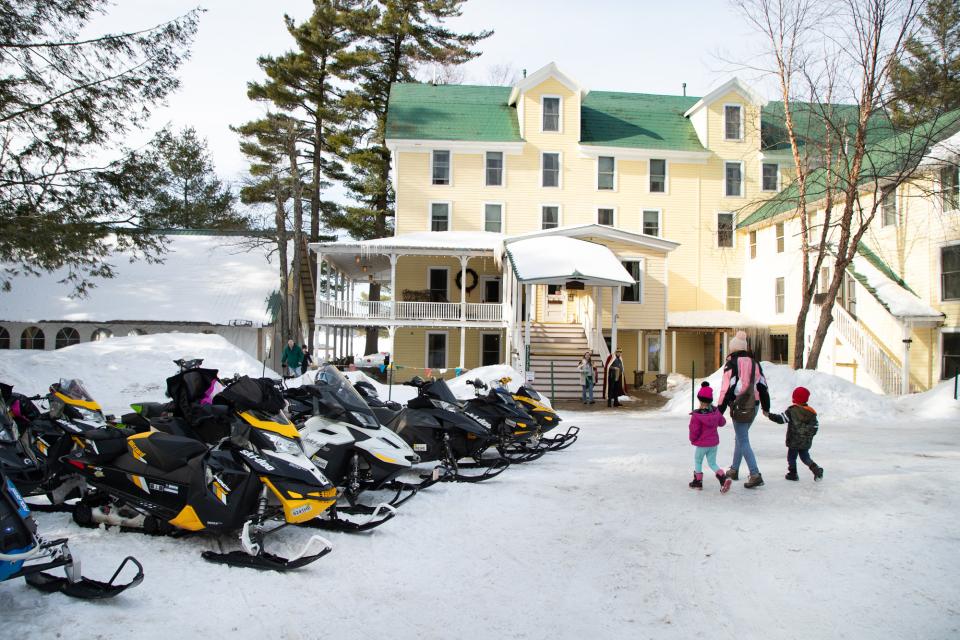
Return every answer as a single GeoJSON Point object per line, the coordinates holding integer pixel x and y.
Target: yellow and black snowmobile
{"type": "Point", "coordinates": [546, 416]}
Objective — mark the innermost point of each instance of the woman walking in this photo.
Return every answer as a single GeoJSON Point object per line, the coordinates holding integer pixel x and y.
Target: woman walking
{"type": "Point", "coordinates": [743, 386]}
{"type": "Point", "coordinates": [586, 377]}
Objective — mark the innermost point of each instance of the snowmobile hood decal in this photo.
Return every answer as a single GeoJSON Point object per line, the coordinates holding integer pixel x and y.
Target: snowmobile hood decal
{"type": "Point", "coordinates": [86, 404]}
{"type": "Point", "coordinates": [284, 429]}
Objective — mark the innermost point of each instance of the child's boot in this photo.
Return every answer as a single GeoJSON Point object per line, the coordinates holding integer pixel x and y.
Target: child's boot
{"type": "Point", "coordinates": [697, 482]}
{"type": "Point", "coordinates": [792, 473]}
{"type": "Point", "coordinates": [724, 481]}
{"type": "Point", "coordinates": [817, 471]}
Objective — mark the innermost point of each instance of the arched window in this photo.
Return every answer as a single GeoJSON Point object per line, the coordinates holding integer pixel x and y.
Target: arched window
{"type": "Point", "coordinates": [32, 338]}
{"type": "Point", "coordinates": [101, 334]}
{"type": "Point", "coordinates": [4, 338]}
{"type": "Point", "coordinates": [136, 332]}
{"type": "Point", "coordinates": [66, 337]}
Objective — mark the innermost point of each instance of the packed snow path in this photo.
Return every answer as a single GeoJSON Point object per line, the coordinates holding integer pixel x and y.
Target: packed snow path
{"type": "Point", "coordinates": [603, 540]}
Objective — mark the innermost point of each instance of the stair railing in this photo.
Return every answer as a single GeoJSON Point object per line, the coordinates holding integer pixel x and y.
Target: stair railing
{"type": "Point", "coordinates": [880, 366]}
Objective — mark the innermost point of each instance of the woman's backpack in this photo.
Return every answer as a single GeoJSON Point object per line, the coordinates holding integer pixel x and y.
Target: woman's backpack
{"type": "Point", "coordinates": [744, 406]}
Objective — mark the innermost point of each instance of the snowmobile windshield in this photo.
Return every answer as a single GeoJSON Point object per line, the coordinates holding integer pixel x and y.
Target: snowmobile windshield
{"type": "Point", "coordinates": [74, 389]}
{"type": "Point", "coordinates": [349, 398]}
{"type": "Point", "coordinates": [439, 390]}
{"type": "Point", "coordinates": [530, 392]}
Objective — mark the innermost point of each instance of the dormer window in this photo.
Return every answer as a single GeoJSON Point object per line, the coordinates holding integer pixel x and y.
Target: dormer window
{"type": "Point", "coordinates": [733, 122]}
{"type": "Point", "coordinates": [551, 113]}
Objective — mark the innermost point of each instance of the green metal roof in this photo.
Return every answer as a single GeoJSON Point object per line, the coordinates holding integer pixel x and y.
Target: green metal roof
{"type": "Point", "coordinates": [451, 112]}
{"type": "Point", "coordinates": [638, 120]}
{"type": "Point", "coordinates": [882, 266]}
{"type": "Point", "coordinates": [808, 119]}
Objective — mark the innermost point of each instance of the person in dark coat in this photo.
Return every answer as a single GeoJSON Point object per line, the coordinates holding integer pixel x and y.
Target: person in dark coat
{"type": "Point", "coordinates": [615, 380]}
{"type": "Point", "coordinates": [802, 426]}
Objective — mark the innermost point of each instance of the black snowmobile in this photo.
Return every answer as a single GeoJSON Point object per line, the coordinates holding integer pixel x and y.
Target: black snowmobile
{"type": "Point", "coordinates": [437, 429]}
{"type": "Point", "coordinates": [547, 418]}
{"type": "Point", "coordinates": [23, 553]}
{"type": "Point", "coordinates": [514, 427]}
{"type": "Point", "coordinates": [162, 483]}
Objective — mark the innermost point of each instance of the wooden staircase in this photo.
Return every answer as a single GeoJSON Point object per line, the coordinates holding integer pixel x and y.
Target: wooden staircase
{"type": "Point", "coordinates": [563, 345]}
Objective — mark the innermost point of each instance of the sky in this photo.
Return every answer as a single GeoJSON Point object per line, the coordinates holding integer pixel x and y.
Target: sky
{"type": "Point", "coordinates": [615, 45]}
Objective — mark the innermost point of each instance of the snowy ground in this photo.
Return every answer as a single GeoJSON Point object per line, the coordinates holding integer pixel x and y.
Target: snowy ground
{"type": "Point", "coordinates": [603, 540]}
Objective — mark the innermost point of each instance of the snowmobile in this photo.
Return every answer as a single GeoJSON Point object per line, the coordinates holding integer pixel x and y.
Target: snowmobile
{"type": "Point", "coordinates": [514, 427]}
{"type": "Point", "coordinates": [160, 483]}
{"type": "Point", "coordinates": [16, 460]}
{"type": "Point", "coordinates": [343, 437]}
{"type": "Point", "coordinates": [436, 428]}
{"type": "Point", "coordinates": [528, 398]}
{"type": "Point", "coordinates": [23, 553]}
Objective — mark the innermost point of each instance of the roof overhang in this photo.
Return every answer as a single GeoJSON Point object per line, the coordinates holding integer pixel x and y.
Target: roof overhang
{"type": "Point", "coordinates": [733, 84]}
{"type": "Point", "coordinates": [549, 71]}
{"type": "Point", "coordinates": [716, 319]}
{"type": "Point", "coordinates": [602, 232]}
{"type": "Point", "coordinates": [419, 145]}
{"type": "Point", "coordinates": [636, 153]}
{"type": "Point", "coordinates": [558, 260]}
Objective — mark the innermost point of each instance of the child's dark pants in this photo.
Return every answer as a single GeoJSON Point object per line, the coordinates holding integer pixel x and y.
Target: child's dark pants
{"type": "Point", "coordinates": [804, 457]}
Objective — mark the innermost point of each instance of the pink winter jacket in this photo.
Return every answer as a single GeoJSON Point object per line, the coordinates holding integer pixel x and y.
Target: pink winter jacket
{"type": "Point", "coordinates": [703, 427]}
{"type": "Point", "coordinates": [742, 377]}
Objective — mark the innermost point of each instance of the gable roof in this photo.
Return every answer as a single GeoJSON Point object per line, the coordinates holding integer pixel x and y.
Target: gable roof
{"type": "Point", "coordinates": [540, 75]}
{"type": "Point", "coordinates": [451, 112]}
{"type": "Point", "coordinates": [733, 84]}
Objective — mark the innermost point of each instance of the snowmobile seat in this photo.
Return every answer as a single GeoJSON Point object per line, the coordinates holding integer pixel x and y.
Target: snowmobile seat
{"type": "Point", "coordinates": [108, 443]}
{"type": "Point", "coordinates": [164, 451]}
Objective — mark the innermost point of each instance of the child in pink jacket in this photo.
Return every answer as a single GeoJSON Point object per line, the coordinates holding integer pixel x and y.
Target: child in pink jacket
{"type": "Point", "coordinates": [704, 423]}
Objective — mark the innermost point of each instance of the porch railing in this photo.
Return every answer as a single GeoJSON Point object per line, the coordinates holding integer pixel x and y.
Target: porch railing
{"type": "Point", "coordinates": [381, 310]}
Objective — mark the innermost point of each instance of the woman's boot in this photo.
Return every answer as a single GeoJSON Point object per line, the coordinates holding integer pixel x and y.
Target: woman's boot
{"type": "Point", "coordinates": [753, 481]}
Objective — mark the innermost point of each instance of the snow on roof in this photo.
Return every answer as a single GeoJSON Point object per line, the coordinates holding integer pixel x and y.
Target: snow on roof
{"type": "Point", "coordinates": [467, 240]}
{"type": "Point", "coordinates": [591, 230]}
{"type": "Point", "coordinates": [718, 319]}
{"type": "Point", "coordinates": [897, 300]}
{"type": "Point", "coordinates": [555, 259]}
{"type": "Point", "coordinates": [203, 278]}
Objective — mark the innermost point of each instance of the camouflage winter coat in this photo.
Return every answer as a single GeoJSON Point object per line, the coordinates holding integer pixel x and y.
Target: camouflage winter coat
{"type": "Point", "coordinates": [802, 425]}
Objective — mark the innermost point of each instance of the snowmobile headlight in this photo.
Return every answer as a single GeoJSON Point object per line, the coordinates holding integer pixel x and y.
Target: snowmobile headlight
{"type": "Point", "coordinates": [281, 444]}
{"type": "Point", "coordinates": [510, 423]}
{"type": "Point", "coordinates": [448, 406]}
{"type": "Point", "coordinates": [365, 420]}
{"type": "Point", "coordinates": [6, 435]}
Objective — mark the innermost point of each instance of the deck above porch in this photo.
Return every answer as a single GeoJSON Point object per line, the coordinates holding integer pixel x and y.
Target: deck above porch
{"type": "Point", "coordinates": [429, 314]}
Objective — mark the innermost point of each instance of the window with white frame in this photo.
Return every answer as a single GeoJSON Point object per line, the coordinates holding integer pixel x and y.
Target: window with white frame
{"type": "Point", "coordinates": [633, 293]}
{"type": "Point", "coordinates": [441, 167]}
{"type": "Point", "coordinates": [770, 176]}
{"type": "Point", "coordinates": [551, 113]}
{"type": "Point", "coordinates": [733, 294]}
{"type": "Point", "coordinates": [888, 209]}
{"type": "Point", "coordinates": [549, 216]}
{"type": "Point", "coordinates": [950, 188]}
{"type": "Point", "coordinates": [733, 179]}
{"type": "Point", "coordinates": [733, 122]}
{"type": "Point", "coordinates": [605, 216]}
{"type": "Point", "coordinates": [658, 176]}
{"type": "Point", "coordinates": [440, 216]}
{"type": "Point", "coordinates": [494, 169]}
{"type": "Point", "coordinates": [950, 350]}
{"type": "Point", "coordinates": [780, 237]}
{"type": "Point", "coordinates": [651, 222]}
{"type": "Point", "coordinates": [779, 348]}
{"type": "Point", "coordinates": [753, 244]}
{"type": "Point", "coordinates": [550, 163]}
{"type": "Point", "coordinates": [779, 293]}
{"type": "Point", "coordinates": [606, 170]}
{"type": "Point", "coordinates": [724, 229]}
{"type": "Point", "coordinates": [436, 350]}
{"type": "Point", "coordinates": [493, 217]}
{"type": "Point", "coordinates": [950, 272]}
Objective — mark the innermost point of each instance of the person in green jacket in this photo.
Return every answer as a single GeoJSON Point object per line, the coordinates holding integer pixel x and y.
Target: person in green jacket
{"type": "Point", "coordinates": [292, 358]}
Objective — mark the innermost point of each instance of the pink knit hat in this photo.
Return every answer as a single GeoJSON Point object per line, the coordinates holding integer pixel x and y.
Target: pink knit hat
{"type": "Point", "coordinates": [706, 392]}
{"type": "Point", "coordinates": [738, 342]}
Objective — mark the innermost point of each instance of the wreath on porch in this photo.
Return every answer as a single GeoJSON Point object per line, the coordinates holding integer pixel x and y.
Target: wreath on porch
{"type": "Point", "coordinates": [471, 280]}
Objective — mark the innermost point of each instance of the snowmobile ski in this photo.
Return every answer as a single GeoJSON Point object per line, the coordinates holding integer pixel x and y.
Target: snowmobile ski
{"type": "Point", "coordinates": [336, 523]}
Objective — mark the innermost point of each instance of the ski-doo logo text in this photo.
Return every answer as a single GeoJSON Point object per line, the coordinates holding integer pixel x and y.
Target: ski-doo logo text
{"type": "Point", "coordinates": [482, 421]}
{"type": "Point", "coordinates": [257, 459]}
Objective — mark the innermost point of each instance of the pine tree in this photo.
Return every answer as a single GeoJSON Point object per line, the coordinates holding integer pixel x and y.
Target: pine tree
{"type": "Point", "coordinates": [926, 81]}
{"type": "Point", "coordinates": [63, 101]}
{"type": "Point", "coordinates": [405, 35]}
{"type": "Point", "coordinates": [184, 191]}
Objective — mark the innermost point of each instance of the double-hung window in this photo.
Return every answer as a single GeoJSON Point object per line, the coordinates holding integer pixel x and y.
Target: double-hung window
{"type": "Point", "coordinates": [441, 167]}
{"type": "Point", "coordinates": [778, 295]}
{"type": "Point", "coordinates": [950, 272]}
{"type": "Point", "coordinates": [493, 217]}
{"type": "Point", "coordinates": [494, 169]}
{"type": "Point", "coordinates": [733, 178]}
{"type": "Point", "coordinates": [550, 163]}
{"type": "Point", "coordinates": [780, 238]}
{"type": "Point", "coordinates": [436, 350]}
{"type": "Point", "coordinates": [733, 122]}
{"type": "Point", "coordinates": [888, 209]}
{"type": "Point", "coordinates": [605, 216]}
{"type": "Point", "coordinates": [658, 176]}
{"type": "Point", "coordinates": [753, 244]}
{"type": "Point", "coordinates": [633, 293]}
{"type": "Point", "coordinates": [651, 222]}
{"type": "Point", "coordinates": [551, 113]}
{"type": "Point", "coordinates": [724, 229]}
{"type": "Point", "coordinates": [733, 294]}
{"type": "Point", "coordinates": [440, 216]}
{"type": "Point", "coordinates": [606, 169]}
{"type": "Point", "coordinates": [770, 176]}
{"type": "Point", "coordinates": [950, 188]}
{"type": "Point", "coordinates": [549, 216]}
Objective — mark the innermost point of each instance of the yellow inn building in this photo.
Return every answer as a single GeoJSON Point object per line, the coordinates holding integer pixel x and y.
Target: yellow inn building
{"type": "Point", "coordinates": [536, 221]}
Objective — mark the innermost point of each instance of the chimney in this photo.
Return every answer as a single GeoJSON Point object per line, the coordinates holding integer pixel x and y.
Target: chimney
{"type": "Point", "coordinates": [524, 73]}
{"type": "Point", "coordinates": [684, 89]}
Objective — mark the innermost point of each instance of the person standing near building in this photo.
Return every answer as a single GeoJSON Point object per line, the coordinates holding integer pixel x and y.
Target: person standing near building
{"type": "Point", "coordinates": [586, 377]}
{"type": "Point", "coordinates": [292, 358]}
{"type": "Point", "coordinates": [743, 386]}
{"type": "Point", "coordinates": [615, 380]}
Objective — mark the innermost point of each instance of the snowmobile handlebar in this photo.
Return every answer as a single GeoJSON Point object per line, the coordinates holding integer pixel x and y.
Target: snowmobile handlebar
{"type": "Point", "coordinates": [186, 364]}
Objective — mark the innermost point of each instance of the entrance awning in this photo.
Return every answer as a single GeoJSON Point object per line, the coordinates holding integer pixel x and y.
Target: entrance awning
{"type": "Point", "coordinates": [560, 259]}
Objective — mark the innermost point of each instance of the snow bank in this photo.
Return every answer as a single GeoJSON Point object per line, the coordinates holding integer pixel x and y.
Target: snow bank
{"type": "Point", "coordinates": [119, 371]}
{"type": "Point", "coordinates": [935, 403]}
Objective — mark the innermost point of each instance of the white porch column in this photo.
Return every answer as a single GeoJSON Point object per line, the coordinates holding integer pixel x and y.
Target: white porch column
{"type": "Point", "coordinates": [334, 294]}
{"type": "Point", "coordinates": [613, 318]}
{"type": "Point", "coordinates": [343, 305]}
{"type": "Point", "coordinates": [325, 283]}
{"type": "Point", "coordinates": [393, 286]}
{"type": "Point", "coordinates": [905, 365]}
{"type": "Point", "coordinates": [673, 352]}
{"type": "Point", "coordinates": [506, 301]}
{"type": "Point", "coordinates": [316, 311]}
{"type": "Point", "coordinates": [663, 351]}
{"type": "Point", "coordinates": [528, 289]}
{"type": "Point", "coordinates": [598, 318]}
{"type": "Point", "coordinates": [723, 348]}
{"type": "Point", "coordinates": [463, 307]}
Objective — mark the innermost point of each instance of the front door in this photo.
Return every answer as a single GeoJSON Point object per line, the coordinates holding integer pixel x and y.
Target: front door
{"type": "Point", "coordinates": [556, 304]}
{"type": "Point", "coordinates": [490, 349]}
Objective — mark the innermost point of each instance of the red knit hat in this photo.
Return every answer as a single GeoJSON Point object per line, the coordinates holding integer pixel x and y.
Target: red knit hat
{"type": "Point", "coordinates": [801, 395]}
